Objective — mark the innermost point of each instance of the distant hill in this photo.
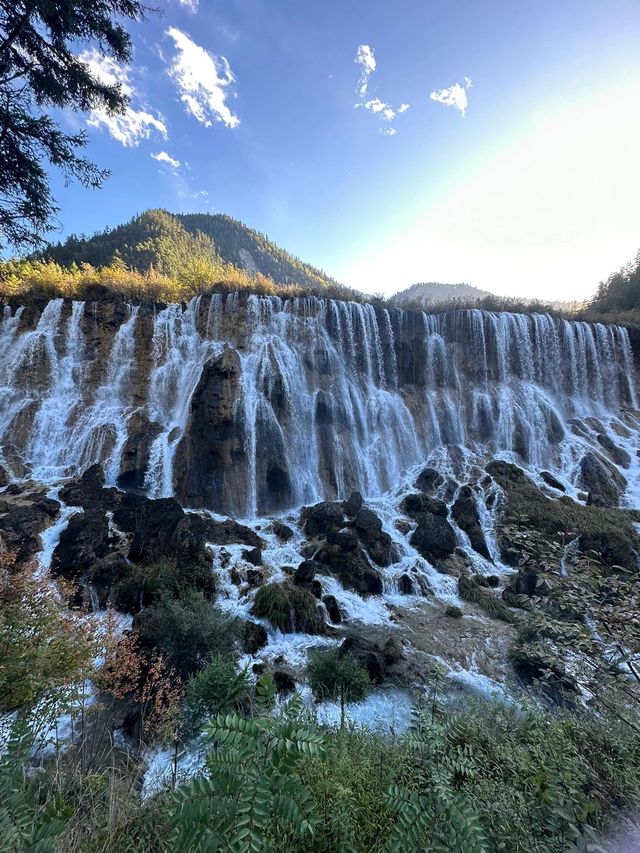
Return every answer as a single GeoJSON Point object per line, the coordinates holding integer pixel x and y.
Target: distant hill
{"type": "Point", "coordinates": [165, 242]}
{"type": "Point", "coordinates": [432, 292]}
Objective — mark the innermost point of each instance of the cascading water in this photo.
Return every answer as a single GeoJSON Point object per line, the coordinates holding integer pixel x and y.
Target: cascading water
{"type": "Point", "coordinates": [332, 396]}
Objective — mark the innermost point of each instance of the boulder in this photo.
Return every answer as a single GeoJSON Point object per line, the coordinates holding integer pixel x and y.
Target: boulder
{"type": "Point", "coordinates": [415, 505]}
{"type": "Point", "coordinates": [429, 480]}
{"type": "Point", "coordinates": [434, 537]}
{"type": "Point", "coordinates": [614, 451]}
{"type": "Point", "coordinates": [23, 518]}
{"type": "Point", "coordinates": [353, 504]}
{"type": "Point", "coordinates": [88, 491]}
{"type": "Point", "coordinates": [333, 609]}
{"type": "Point", "coordinates": [305, 572]}
{"type": "Point", "coordinates": [322, 518]}
{"type": "Point", "coordinates": [552, 481]}
{"type": "Point", "coordinates": [346, 540]}
{"type": "Point", "coordinates": [284, 681]}
{"type": "Point", "coordinates": [82, 544]}
{"type": "Point", "coordinates": [163, 529]}
{"type": "Point", "coordinates": [227, 532]}
{"type": "Point", "coordinates": [604, 483]}
{"type": "Point", "coordinates": [465, 513]}
{"type": "Point", "coordinates": [377, 542]}
{"type": "Point", "coordinates": [283, 531]}
{"type": "Point", "coordinates": [253, 556]}
{"type": "Point", "coordinates": [405, 584]}
{"type": "Point", "coordinates": [352, 569]}
{"type": "Point", "coordinates": [254, 637]}
{"type": "Point", "coordinates": [379, 658]}
{"type": "Point", "coordinates": [289, 608]}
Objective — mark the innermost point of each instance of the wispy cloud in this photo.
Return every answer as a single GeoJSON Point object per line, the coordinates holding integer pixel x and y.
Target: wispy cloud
{"type": "Point", "coordinates": [203, 81]}
{"type": "Point", "coordinates": [385, 112]}
{"type": "Point", "coordinates": [454, 96]}
{"type": "Point", "coordinates": [191, 5]}
{"type": "Point", "coordinates": [133, 125]}
{"type": "Point", "coordinates": [367, 62]}
{"type": "Point", "coordinates": [163, 157]}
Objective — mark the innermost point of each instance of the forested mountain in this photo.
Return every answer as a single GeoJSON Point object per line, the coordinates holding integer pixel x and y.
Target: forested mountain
{"type": "Point", "coordinates": [621, 291]}
{"type": "Point", "coordinates": [431, 292]}
{"type": "Point", "coordinates": [166, 242]}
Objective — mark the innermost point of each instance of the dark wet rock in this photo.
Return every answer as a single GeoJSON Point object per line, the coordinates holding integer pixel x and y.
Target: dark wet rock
{"type": "Point", "coordinates": [124, 517]}
{"type": "Point", "coordinates": [615, 452]}
{"type": "Point", "coordinates": [405, 584]}
{"type": "Point", "coordinates": [254, 637]}
{"type": "Point", "coordinates": [84, 541]}
{"type": "Point", "coordinates": [4, 477]}
{"type": "Point", "coordinates": [506, 471]}
{"type": "Point", "coordinates": [283, 531]}
{"type": "Point", "coordinates": [353, 504]}
{"type": "Point", "coordinates": [255, 577]}
{"type": "Point", "coordinates": [352, 568]}
{"type": "Point", "coordinates": [210, 467]}
{"type": "Point", "coordinates": [402, 526]}
{"type": "Point", "coordinates": [253, 556]}
{"type": "Point", "coordinates": [284, 681]}
{"type": "Point", "coordinates": [305, 572]}
{"type": "Point", "coordinates": [163, 529]}
{"type": "Point", "coordinates": [465, 513]}
{"type": "Point", "coordinates": [134, 460]}
{"type": "Point", "coordinates": [368, 525]}
{"type": "Point", "coordinates": [227, 532]}
{"type": "Point", "coordinates": [552, 481]}
{"type": "Point", "coordinates": [434, 537]}
{"type": "Point", "coordinates": [415, 505]}
{"type": "Point", "coordinates": [315, 588]}
{"type": "Point", "coordinates": [23, 517]}
{"type": "Point", "coordinates": [493, 581]}
{"type": "Point", "coordinates": [333, 609]}
{"type": "Point", "coordinates": [379, 658]}
{"type": "Point", "coordinates": [322, 518]}
{"type": "Point", "coordinates": [529, 582]}
{"type": "Point", "coordinates": [346, 540]}
{"type": "Point", "coordinates": [89, 492]}
{"type": "Point", "coordinates": [105, 573]}
{"type": "Point", "coordinates": [602, 480]}
{"type": "Point", "coordinates": [429, 480]}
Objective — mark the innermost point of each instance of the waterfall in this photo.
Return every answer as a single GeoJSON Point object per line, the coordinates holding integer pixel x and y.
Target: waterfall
{"type": "Point", "coordinates": [332, 396]}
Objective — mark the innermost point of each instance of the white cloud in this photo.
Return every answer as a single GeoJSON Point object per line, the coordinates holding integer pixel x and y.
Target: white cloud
{"type": "Point", "coordinates": [163, 157]}
{"type": "Point", "coordinates": [522, 220]}
{"type": "Point", "coordinates": [191, 5]}
{"type": "Point", "coordinates": [202, 80]}
{"type": "Point", "coordinates": [384, 111]}
{"type": "Point", "coordinates": [367, 61]}
{"type": "Point", "coordinates": [454, 96]}
{"type": "Point", "coordinates": [378, 107]}
{"type": "Point", "coordinates": [388, 131]}
{"type": "Point", "coordinates": [131, 126]}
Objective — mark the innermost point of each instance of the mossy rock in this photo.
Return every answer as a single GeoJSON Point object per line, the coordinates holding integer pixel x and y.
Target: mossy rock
{"type": "Point", "coordinates": [289, 609]}
{"type": "Point", "coordinates": [452, 611]}
{"type": "Point", "coordinates": [469, 590]}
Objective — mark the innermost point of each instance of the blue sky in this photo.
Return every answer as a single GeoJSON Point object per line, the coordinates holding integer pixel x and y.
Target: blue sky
{"type": "Point", "coordinates": [260, 109]}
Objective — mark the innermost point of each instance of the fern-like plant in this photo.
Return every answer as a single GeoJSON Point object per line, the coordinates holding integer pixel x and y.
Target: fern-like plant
{"type": "Point", "coordinates": [249, 784]}
{"type": "Point", "coordinates": [31, 821]}
{"type": "Point", "coordinates": [432, 813]}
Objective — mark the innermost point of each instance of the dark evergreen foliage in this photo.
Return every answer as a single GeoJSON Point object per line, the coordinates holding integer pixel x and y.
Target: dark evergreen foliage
{"type": "Point", "coordinates": [40, 69]}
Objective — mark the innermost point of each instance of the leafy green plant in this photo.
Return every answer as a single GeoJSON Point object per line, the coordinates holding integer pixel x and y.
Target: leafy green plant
{"type": "Point", "coordinates": [31, 820]}
{"type": "Point", "coordinates": [250, 781]}
{"type": "Point", "coordinates": [333, 675]}
{"type": "Point", "coordinates": [431, 811]}
{"type": "Point", "coordinates": [216, 689]}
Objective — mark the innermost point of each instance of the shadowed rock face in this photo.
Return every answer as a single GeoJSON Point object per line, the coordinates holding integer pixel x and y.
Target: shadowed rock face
{"type": "Point", "coordinates": [211, 465]}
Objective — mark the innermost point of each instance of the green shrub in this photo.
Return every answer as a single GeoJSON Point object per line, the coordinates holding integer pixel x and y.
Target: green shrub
{"type": "Point", "coordinates": [333, 675]}
{"type": "Point", "coordinates": [453, 611]}
{"type": "Point", "coordinates": [217, 688]}
{"type": "Point", "coordinates": [188, 631]}
{"type": "Point", "coordinates": [272, 603]}
{"type": "Point", "coordinates": [470, 591]}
